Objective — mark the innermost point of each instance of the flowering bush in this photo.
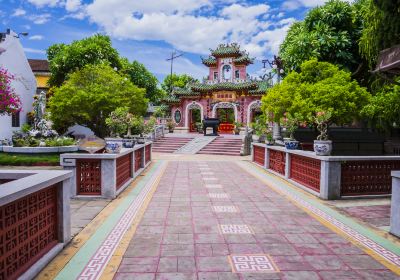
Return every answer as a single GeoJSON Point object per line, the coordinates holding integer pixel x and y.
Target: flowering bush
{"type": "Point", "coordinates": [291, 123]}
{"type": "Point", "coordinates": [10, 102]}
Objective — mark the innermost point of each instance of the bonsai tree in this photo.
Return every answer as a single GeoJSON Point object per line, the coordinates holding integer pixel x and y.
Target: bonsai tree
{"type": "Point", "coordinates": [291, 124]}
{"type": "Point", "coordinates": [322, 120]}
{"type": "Point", "coordinates": [237, 127]}
{"type": "Point", "coordinates": [149, 125]}
{"type": "Point", "coordinates": [118, 121]}
{"type": "Point", "coordinates": [170, 125]}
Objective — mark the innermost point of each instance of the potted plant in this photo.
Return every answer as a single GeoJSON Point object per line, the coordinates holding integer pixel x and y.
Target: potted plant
{"type": "Point", "coordinates": [199, 127]}
{"type": "Point", "coordinates": [290, 124]}
{"type": "Point", "coordinates": [237, 127]}
{"type": "Point", "coordinates": [171, 126]}
{"type": "Point", "coordinates": [322, 146]}
{"type": "Point", "coordinates": [269, 139]}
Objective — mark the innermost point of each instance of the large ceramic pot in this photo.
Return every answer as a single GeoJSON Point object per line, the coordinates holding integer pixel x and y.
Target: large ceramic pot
{"type": "Point", "coordinates": [269, 142]}
{"type": "Point", "coordinates": [128, 143]}
{"type": "Point", "coordinates": [291, 144]}
{"type": "Point", "coordinates": [113, 147]}
{"type": "Point", "coordinates": [322, 148]}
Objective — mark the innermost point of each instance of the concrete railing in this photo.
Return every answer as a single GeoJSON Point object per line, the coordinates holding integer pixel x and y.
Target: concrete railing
{"type": "Point", "coordinates": [105, 175]}
{"type": "Point", "coordinates": [395, 204]}
{"type": "Point", "coordinates": [329, 177]}
{"type": "Point", "coordinates": [35, 220]}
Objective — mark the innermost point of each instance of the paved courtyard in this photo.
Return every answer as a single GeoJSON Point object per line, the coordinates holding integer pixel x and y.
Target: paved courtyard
{"type": "Point", "coordinates": [223, 219]}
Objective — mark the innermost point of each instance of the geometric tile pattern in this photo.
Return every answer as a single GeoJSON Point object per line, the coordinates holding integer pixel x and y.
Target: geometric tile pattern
{"type": "Point", "coordinates": [213, 186]}
{"type": "Point", "coordinates": [235, 229]}
{"type": "Point", "coordinates": [102, 256]}
{"type": "Point", "coordinates": [363, 240]}
{"type": "Point", "coordinates": [252, 264]}
{"type": "Point", "coordinates": [225, 209]}
{"type": "Point", "coordinates": [218, 195]}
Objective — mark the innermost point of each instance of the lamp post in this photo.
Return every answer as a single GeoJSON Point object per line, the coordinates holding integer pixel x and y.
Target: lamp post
{"type": "Point", "coordinates": [277, 65]}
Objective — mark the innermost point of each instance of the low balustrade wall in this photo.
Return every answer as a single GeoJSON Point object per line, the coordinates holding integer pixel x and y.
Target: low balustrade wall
{"type": "Point", "coordinates": [35, 221]}
{"type": "Point", "coordinates": [106, 175]}
{"type": "Point", "coordinates": [329, 177]}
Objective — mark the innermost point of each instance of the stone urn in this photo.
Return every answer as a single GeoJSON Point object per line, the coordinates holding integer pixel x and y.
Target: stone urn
{"type": "Point", "coordinates": [322, 147]}
{"type": "Point", "coordinates": [291, 144]}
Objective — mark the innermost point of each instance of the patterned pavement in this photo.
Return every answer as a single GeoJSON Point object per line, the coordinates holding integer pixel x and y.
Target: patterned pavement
{"type": "Point", "coordinates": [217, 220]}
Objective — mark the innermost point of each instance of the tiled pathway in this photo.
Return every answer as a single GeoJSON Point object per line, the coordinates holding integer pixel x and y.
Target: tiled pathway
{"type": "Point", "coordinates": [213, 220]}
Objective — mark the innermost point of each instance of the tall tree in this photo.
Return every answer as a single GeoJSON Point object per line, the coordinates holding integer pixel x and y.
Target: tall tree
{"type": "Point", "coordinates": [328, 33]}
{"type": "Point", "coordinates": [65, 59]}
{"type": "Point", "coordinates": [141, 77]}
{"type": "Point", "coordinates": [176, 80]}
{"type": "Point", "coordinates": [381, 27]}
{"type": "Point", "coordinates": [90, 95]}
{"type": "Point", "coordinates": [318, 86]}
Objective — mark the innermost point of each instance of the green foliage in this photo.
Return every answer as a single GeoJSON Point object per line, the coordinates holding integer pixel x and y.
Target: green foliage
{"type": "Point", "coordinates": [117, 121]}
{"type": "Point", "coordinates": [176, 80]}
{"type": "Point", "coordinates": [29, 159]}
{"type": "Point", "coordinates": [66, 59]}
{"type": "Point", "coordinates": [319, 86]}
{"type": "Point", "coordinates": [90, 95]}
{"type": "Point", "coordinates": [137, 125]}
{"type": "Point", "coordinates": [160, 112]}
{"type": "Point", "coordinates": [60, 141]}
{"type": "Point", "coordinates": [141, 77]}
{"type": "Point", "coordinates": [381, 27]}
{"type": "Point", "coordinates": [25, 128]}
{"type": "Point", "coordinates": [290, 122]}
{"type": "Point", "coordinates": [328, 33]}
{"type": "Point", "coordinates": [149, 125]}
{"type": "Point", "coordinates": [384, 108]}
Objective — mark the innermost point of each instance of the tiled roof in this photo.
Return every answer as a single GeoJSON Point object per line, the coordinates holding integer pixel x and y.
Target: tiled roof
{"type": "Point", "coordinates": [39, 65]}
{"type": "Point", "coordinates": [224, 86]}
{"type": "Point", "coordinates": [224, 50]}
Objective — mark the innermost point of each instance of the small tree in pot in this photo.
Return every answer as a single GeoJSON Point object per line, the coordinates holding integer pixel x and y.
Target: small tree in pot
{"type": "Point", "coordinates": [322, 146]}
{"type": "Point", "coordinates": [290, 124]}
{"type": "Point", "coordinates": [171, 126]}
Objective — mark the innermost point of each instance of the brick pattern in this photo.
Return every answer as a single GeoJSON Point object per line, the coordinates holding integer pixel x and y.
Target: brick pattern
{"type": "Point", "coordinates": [180, 237]}
{"type": "Point", "coordinates": [259, 155]}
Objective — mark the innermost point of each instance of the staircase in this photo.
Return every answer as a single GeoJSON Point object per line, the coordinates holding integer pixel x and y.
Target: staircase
{"type": "Point", "coordinates": [170, 144]}
{"type": "Point", "coordinates": [223, 146]}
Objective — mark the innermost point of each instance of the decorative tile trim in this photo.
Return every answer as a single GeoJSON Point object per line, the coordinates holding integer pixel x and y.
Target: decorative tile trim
{"type": "Point", "coordinates": [363, 240]}
{"type": "Point", "coordinates": [218, 195]}
{"type": "Point", "coordinates": [102, 256]}
{"type": "Point", "coordinates": [235, 229]}
{"type": "Point", "coordinates": [213, 186]}
{"type": "Point", "coordinates": [252, 264]}
{"type": "Point", "coordinates": [225, 209]}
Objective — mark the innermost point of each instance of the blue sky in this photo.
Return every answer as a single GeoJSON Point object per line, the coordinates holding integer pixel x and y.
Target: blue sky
{"type": "Point", "coordinates": [148, 30]}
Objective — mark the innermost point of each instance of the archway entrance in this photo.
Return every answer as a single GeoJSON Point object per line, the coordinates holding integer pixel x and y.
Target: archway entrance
{"type": "Point", "coordinates": [194, 117]}
{"type": "Point", "coordinates": [227, 119]}
{"type": "Point", "coordinates": [254, 114]}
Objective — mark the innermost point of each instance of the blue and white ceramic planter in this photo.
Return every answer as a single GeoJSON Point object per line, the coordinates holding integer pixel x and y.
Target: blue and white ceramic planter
{"type": "Point", "coordinates": [113, 147]}
{"type": "Point", "coordinates": [322, 148]}
{"type": "Point", "coordinates": [291, 144]}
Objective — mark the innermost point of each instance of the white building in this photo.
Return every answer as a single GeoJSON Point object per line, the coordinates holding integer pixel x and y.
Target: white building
{"type": "Point", "coordinates": [12, 58]}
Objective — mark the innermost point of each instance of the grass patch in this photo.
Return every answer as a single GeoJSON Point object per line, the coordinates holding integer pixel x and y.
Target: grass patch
{"type": "Point", "coordinates": [29, 159]}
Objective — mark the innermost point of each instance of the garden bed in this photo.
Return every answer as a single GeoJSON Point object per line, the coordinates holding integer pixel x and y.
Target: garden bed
{"type": "Point", "coordinates": [39, 150]}
{"type": "Point", "coordinates": [12, 159]}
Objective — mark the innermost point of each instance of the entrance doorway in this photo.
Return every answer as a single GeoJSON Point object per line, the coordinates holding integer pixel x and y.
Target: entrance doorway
{"type": "Point", "coordinates": [227, 118]}
{"type": "Point", "coordinates": [254, 114]}
{"type": "Point", "coordinates": [194, 117]}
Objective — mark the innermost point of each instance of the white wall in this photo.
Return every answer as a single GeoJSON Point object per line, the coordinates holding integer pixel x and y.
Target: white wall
{"type": "Point", "coordinates": [15, 61]}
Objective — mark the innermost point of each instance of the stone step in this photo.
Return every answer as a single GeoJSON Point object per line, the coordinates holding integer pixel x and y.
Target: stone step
{"type": "Point", "coordinates": [226, 153]}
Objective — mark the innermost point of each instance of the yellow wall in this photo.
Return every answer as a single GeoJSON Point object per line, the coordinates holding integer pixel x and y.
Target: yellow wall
{"type": "Point", "coordinates": [42, 81]}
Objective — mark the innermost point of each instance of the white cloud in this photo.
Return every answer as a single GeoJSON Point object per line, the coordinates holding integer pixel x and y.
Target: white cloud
{"type": "Point", "coordinates": [181, 23]}
{"type": "Point", "coordinates": [36, 37]}
{"type": "Point", "coordinates": [19, 12]}
{"type": "Point", "coordinates": [40, 19]}
{"type": "Point", "coordinates": [36, 51]}
{"type": "Point", "coordinates": [73, 5]}
{"type": "Point", "coordinates": [44, 3]}
{"type": "Point", "coordinates": [295, 4]}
